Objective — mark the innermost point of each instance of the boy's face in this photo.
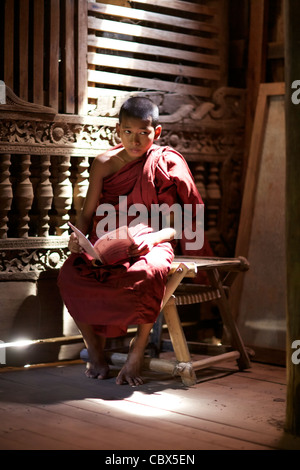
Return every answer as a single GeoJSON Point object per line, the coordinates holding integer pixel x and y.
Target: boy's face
{"type": "Point", "coordinates": [137, 135]}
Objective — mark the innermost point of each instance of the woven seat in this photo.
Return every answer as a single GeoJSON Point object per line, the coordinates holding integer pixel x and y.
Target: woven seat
{"type": "Point", "coordinates": [188, 294]}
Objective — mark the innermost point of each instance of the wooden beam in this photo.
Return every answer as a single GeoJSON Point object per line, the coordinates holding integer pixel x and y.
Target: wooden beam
{"type": "Point", "coordinates": [149, 49]}
{"type": "Point", "coordinates": [292, 73]}
{"type": "Point", "coordinates": [128, 29]}
{"type": "Point", "coordinates": [107, 78]}
{"type": "Point", "coordinates": [81, 64]}
{"type": "Point", "coordinates": [38, 52]}
{"type": "Point", "coordinates": [68, 55]}
{"type": "Point", "coordinates": [9, 43]}
{"type": "Point", "coordinates": [140, 15]}
{"type": "Point", "coordinates": [54, 39]}
{"type": "Point", "coordinates": [23, 46]}
{"type": "Point", "coordinates": [179, 5]}
{"type": "Point", "coordinates": [256, 64]}
{"type": "Point", "coordinates": [221, 22]}
{"type": "Point", "coordinates": [118, 62]}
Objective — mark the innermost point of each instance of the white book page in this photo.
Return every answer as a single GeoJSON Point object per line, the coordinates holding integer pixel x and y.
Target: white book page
{"type": "Point", "coordinates": [84, 242]}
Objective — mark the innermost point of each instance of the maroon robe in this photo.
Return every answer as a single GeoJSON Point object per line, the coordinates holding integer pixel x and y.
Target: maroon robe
{"type": "Point", "coordinates": [115, 296]}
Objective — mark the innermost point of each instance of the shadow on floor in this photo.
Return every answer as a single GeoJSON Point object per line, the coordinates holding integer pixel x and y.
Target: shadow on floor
{"type": "Point", "coordinates": [48, 385]}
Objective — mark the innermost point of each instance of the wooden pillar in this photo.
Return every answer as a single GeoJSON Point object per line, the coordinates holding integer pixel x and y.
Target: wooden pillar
{"type": "Point", "coordinates": [54, 39]}
{"type": "Point", "coordinates": [23, 50]}
{"type": "Point", "coordinates": [256, 72]}
{"type": "Point", "coordinates": [68, 57]}
{"type": "Point", "coordinates": [81, 64]}
{"type": "Point", "coordinates": [9, 32]}
{"type": "Point", "coordinates": [38, 52]}
{"type": "Point", "coordinates": [292, 73]}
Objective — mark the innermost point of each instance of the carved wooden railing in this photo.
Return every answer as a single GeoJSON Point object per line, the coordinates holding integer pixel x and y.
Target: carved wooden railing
{"type": "Point", "coordinates": [45, 159]}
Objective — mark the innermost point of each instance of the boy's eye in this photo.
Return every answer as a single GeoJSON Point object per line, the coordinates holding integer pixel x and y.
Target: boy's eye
{"type": "Point", "coordinates": [127, 131]}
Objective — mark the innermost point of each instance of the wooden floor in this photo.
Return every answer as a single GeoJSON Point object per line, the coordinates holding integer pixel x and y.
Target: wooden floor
{"type": "Point", "coordinates": [58, 408]}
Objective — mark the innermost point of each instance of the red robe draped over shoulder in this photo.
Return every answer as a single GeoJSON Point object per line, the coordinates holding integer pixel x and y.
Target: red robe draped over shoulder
{"type": "Point", "coordinates": [111, 297]}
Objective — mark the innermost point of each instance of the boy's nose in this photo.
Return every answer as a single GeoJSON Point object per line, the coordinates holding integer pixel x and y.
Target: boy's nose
{"type": "Point", "coordinates": [136, 139]}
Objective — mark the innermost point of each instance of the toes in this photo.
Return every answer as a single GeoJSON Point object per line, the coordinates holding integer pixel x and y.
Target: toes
{"type": "Point", "coordinates": [102, 376]}
{"type": "Point", "coordinates": [94, 373]}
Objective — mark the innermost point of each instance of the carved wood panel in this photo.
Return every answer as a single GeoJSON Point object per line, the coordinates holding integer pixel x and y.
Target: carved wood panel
{"type": "Point", "coordinates": [45, 159]}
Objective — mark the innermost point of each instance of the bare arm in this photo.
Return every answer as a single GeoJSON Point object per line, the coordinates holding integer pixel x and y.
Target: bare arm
{"type": "Point", "coordinates": [99, 169]}
{"type": "Point", "coordinates": [147, 242]}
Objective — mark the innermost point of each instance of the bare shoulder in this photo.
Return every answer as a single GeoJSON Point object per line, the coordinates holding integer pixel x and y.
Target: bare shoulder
{"type": "Point", "coordinates": [106, 163]}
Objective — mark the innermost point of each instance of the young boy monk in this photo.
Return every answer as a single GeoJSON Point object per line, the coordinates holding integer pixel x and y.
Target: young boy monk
{"type": "Point", "coordinates": [105, 299]}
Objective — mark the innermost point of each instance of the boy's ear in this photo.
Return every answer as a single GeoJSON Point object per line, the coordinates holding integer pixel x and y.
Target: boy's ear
{"type": "Point", "coordinates": [118, 129]}
{"type": "Point", "coordinates": [157, 133]}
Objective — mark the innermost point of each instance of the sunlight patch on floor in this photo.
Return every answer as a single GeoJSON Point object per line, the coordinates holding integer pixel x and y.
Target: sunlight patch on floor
{"type": "Point", "coordinates": [141, 404]}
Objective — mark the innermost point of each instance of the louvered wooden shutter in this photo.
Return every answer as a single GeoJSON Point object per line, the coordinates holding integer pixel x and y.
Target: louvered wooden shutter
{"type": "Point", "coordinates": [165, 45]}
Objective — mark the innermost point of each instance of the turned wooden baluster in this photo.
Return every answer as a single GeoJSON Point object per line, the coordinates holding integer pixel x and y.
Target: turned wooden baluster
{"type": "Point", "coordinates": [213, 198]}
{"type": "Point", "coordinates": [24, 195]}
{"type": "Point", "coordinates": [6, 194]}
{"type": "Point", "coordinates": [44, 195]}
{"type": "Point", "coordinates": [199, 176]}
{"type": "Point", "coordinates": [63, 194]}
{"type": "Point", "coordinates": [81, 184]}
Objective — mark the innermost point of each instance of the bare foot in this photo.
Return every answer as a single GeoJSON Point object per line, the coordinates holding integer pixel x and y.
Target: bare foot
{"type": "Point", "coordinates": [130, 372]}
{"type": "Point", "coordinates": [96, 367]}
{"type": "Point", "coordinates": [97, 370]}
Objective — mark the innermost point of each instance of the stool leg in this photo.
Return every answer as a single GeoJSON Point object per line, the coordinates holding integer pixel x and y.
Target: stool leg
{"type": "Point", "coordinates": [179, 343]}
{"type": "Point", "coordinates": [228, 320]}
{"type": "Point", "coordinates": [155, 337]}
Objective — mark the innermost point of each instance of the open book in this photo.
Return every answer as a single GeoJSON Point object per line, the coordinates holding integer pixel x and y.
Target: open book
{"type": "Point", "coordinates": [111, 248]}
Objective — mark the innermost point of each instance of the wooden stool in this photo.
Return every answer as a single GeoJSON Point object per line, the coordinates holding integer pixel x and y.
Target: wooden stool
{"type": "Point", "coordinates": [186, 294]}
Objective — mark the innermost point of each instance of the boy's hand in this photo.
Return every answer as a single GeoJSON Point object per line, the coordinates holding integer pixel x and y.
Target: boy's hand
{"type": "Point", "coordinates": [142, 245]}
{"type": "Point", "coordinates": [73, 244]}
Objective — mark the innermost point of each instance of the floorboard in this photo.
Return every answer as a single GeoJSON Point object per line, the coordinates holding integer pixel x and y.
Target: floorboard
{"type": "Point", "coordinates": [58, 408]}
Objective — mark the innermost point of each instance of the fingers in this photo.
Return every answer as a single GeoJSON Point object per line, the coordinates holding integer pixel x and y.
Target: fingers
{"type": "Point", "coordinates": [73, 244]}
{"type": "Point", "coordinates": [130, 373]}
{"type": "Point", "coordinates": [130, 380]}
{"type": "Point", "coordinates": [140, 249]}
